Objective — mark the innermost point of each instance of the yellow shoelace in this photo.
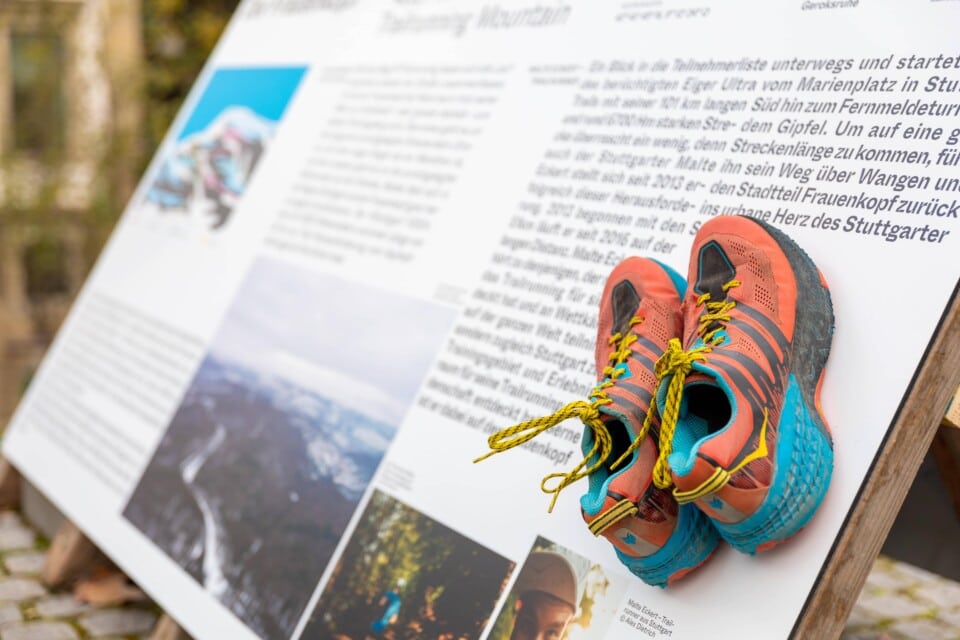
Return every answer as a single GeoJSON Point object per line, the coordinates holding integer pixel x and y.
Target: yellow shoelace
{"type": "Point", "coordinates": [674, 362]}
{"type": "Point", "coordinates": [589, 414]}
{"type": "Point", "coordinates": [677, 363]}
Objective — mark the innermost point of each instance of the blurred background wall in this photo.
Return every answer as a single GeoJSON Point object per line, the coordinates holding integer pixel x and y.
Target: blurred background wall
{"type": "Point", "coordinates": [87, 90]}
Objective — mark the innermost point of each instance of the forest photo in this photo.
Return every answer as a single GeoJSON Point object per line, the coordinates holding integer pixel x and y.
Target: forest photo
{"type": "Point", "coordinates": [405, 576]}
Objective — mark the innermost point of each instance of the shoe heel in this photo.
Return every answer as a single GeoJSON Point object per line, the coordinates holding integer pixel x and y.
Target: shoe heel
{"type": "Point", "coordinates": [804, 464]}
{"type": "Point", "coordinates": [691, 544]}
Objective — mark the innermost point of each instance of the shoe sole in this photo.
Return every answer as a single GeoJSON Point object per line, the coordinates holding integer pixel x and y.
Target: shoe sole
{"type": "Point", "coordinates": [804, 457]}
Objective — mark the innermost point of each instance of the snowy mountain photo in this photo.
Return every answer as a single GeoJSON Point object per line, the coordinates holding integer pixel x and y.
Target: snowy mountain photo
{"type": "Point", "coordinates": [279, 435]}
{"type": "Point", "coordinates": [205, 173]}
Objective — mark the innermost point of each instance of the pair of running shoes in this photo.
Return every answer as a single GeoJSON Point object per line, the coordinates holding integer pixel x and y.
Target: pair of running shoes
{"type": "Point", "coordinates": [705, 423]}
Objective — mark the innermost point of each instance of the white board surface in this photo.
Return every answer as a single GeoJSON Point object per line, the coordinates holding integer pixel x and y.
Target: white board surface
{"type": "Point", "coordinates": [365, 217]}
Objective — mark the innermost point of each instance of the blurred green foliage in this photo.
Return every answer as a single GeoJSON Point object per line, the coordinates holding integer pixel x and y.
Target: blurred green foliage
{"type": "Point", "coordinates": [178, 37]}
{"type": "Point", "coordinates": [37, 95]}
{"type": "Point", "coordinates": [37, 223]}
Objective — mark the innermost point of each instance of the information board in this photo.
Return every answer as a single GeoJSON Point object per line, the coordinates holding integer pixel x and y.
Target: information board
{"type": "Point", "coordinates": [377, 232]}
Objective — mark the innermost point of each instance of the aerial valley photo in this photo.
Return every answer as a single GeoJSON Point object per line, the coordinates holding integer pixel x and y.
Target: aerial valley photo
{"type": "Point", "coordinates": [279, 434]}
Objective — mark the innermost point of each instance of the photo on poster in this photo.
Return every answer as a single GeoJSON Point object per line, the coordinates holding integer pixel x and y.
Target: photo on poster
{"type": "Point", "coordinates": [279, 434]}
{"type": "Point", "coordinates": [406, 576]}
{"type": "Point", "coordinates": [559, 594]}
{"type": "Point", "coordinates": [205, 173]}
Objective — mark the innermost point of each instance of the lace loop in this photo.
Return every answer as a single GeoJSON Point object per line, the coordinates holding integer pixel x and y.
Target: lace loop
{"type": "Point", "coordinates": [587, 412]}
{"type": "Point", "coordinates": [676, 363]}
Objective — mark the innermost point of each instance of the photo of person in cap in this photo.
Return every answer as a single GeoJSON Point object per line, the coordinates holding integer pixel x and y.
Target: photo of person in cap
{"type": "Point", "coordinates": [559, 595]}
{"type": "Point", "coordinates": [547, 597]}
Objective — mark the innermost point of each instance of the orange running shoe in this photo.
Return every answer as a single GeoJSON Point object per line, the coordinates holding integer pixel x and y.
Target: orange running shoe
{"type": "Point", "coordinates": [740, 399]}
{"type": "Point", "coordinates": [657, 539]}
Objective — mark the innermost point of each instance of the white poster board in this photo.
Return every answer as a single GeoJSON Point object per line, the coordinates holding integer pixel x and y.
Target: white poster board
{"type": "Point", "coordinates": [375, 233]}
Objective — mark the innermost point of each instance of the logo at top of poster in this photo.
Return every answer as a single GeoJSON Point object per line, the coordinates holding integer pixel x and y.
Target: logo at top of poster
{"type": "Point", "coordinates": [225, 136]}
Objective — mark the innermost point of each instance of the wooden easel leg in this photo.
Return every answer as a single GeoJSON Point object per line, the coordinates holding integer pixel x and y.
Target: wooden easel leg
{"type": "Point", "coordinates": [73, 558]}
{"type": "Point", "coordinates": [9, 486]}
{"type": "Point", "coordinates": [946, 453]}
{"type": "Point", "coordinates": [168, 629]}
{"type": "Point", "coordinates": [70, 555]}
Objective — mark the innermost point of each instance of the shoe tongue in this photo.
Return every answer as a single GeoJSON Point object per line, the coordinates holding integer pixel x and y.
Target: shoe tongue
{"type": "Point", "coordinates": [715, 270]}
{"type": "Point", "coordinates": [625, 301]}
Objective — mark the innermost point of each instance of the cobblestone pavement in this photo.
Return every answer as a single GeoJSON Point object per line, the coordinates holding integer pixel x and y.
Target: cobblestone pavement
{"type": "Point", "coordinates": [902, 602]}
{"type": "Point", "coordinates": [28, 611]}
{"type": "Point", "coordinates": [899, 602]}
